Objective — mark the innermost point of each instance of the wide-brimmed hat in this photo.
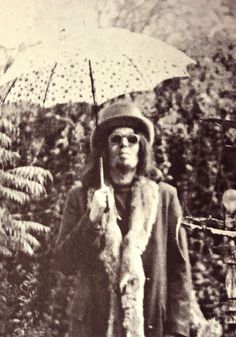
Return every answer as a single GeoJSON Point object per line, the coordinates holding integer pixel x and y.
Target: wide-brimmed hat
{"type": "Point", "coordinates": [121, 115]}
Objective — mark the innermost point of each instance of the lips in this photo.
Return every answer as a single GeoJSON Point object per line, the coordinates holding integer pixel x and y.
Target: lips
{"type": "Point", "coordinates": [124, 154]}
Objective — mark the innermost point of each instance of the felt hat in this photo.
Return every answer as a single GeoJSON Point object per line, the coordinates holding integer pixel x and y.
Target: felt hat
{"type": "Point", "coordinates": [121, 115]}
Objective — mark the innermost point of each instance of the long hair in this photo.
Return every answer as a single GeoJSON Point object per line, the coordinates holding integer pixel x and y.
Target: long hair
{"type": "Point", "coordinates": [145, 165]}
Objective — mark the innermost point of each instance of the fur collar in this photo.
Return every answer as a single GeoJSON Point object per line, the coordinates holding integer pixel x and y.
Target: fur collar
{"type": "Point", "coordinates": [122, 259]}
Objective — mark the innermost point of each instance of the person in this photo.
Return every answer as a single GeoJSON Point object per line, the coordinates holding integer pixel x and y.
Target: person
{"type": "Point", "coordinates": [122, 237]}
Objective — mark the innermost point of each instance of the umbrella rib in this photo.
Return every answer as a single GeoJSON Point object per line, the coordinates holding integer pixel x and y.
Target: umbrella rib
{"type": "Point", "coordinates": [136, 67]}
{"type": "Point", "coordinates": [49, 81]}
{"type": "Point", "coordinates": [8, 91]}
{"type": "Point", "coordinates": [95, 106]}
{"type": "Point", "coordinates": [92, 83]}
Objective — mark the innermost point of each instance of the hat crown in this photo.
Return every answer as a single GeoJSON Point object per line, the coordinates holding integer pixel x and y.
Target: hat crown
{"type": "Point", "coordinates": [119, 110]}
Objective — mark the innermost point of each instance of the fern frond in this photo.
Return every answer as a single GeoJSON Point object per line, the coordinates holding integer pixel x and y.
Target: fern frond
{"type": "Point", "coordinates": [25, 247]}
{"type": "Point", "coordinates": [17, 242]}
{"type": "Point", "coordinates": [16, 238]}
{"type": "Point", "coordinates": [13, 195]}
{"type": "Point", "coordinates": [15, 234]}
{"type": "Point", "coordinates": [5, 141]}
{"type": "Point", "coordinates": [20, 185]}
{"type": "Point", "coordinates": [7, 126]}
{"type": "Point", "coordinates": [35, 173]}
{"type": "Point", "coordinates": [31, 240]}
{"type": "Point", "coordinates": [31, 187]}
{"type": "Point", "coordinates": [20, 237]}
{"type": "Point", "coordinates": [8, 157]}
{"type": "Point", "coordinates": [31, 226]}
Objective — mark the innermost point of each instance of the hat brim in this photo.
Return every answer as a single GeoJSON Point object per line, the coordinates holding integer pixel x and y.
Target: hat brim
{"type": "Point", "coordinates": [139, 124]}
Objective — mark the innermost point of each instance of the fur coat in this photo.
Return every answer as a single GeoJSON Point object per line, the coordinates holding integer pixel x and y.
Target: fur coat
{"type": "Point", "coordinates": [152, 258]}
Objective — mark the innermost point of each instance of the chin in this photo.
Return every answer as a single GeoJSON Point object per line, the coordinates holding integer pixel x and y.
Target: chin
{"type": "Point", "coordinates": [125, 166]}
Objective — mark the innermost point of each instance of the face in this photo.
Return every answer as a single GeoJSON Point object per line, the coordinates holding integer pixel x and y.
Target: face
{"type": "Point", "coordinates": [123, 149]}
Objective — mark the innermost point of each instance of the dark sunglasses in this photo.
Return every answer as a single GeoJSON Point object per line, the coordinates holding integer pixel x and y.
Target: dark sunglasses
{"type": "Point", "coordinates": [117, 139]}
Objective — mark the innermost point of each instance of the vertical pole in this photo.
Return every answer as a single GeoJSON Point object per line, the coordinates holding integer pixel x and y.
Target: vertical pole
{"type": "Point", "coordinates": [101, 172]}
{"type": "Point", "coordinates": [95, 113]}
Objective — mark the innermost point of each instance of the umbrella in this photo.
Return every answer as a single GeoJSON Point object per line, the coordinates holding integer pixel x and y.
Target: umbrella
{"type": "Point", "coordinates": [92, 66]}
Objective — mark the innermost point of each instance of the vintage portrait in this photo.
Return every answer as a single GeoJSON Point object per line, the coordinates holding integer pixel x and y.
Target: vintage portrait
{"type": "Point", "coordinates": [117, 168]}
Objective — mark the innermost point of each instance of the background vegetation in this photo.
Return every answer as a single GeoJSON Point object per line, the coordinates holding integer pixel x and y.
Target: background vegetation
{"type": "Point", "coordinates": [33, 295]}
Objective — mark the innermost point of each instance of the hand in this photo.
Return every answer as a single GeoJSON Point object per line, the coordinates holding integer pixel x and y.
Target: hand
{"type": "Point", "coordinates": [99, 203]}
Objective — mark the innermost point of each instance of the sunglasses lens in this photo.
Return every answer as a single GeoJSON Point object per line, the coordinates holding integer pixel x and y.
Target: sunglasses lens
{"type": "Point", "coordinates": [132, 139]}
{"type": "Point", "coordinates": [117, 139]}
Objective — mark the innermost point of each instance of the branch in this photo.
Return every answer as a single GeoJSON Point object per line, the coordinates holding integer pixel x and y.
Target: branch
{"type": "Point", "coordinates": [203, 227]}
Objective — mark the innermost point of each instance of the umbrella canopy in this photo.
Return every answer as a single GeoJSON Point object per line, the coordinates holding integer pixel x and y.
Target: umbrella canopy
{"type": "Point", "coordinates": [110, 61]}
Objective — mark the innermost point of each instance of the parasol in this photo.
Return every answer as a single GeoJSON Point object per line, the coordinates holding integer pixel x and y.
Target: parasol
{"type": "Point", "coordinates": [93, 66]}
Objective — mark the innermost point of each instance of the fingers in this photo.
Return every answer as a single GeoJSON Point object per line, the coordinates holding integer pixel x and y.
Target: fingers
{"type": "Point", "coordinates": [101, 196]}
{"type": "Point", "coordinates": [99, 203]}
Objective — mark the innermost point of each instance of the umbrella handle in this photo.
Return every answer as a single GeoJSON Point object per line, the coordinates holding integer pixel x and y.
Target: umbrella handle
{"type": "Point", "coordinates": [101, 172]}
{"type": "Point", "coordinates": [102, 183]}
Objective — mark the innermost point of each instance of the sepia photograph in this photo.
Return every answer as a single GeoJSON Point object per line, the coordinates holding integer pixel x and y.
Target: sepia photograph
{"type": "Point", "coordinates": [117, 168]}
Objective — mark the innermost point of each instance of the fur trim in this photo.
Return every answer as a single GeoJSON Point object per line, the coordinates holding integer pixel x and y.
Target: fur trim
{"type": "Point", "coordinates": [123, 262]}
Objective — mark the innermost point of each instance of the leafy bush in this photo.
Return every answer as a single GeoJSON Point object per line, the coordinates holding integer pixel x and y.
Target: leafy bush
{"type": "Point", "coordinates": [18, 185]}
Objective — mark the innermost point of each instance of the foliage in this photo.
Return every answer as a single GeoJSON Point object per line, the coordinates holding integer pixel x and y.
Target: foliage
{"type": "Point", "coordinates": [20, 185]}
{"type": "Point", "coordinates": [185, 24]}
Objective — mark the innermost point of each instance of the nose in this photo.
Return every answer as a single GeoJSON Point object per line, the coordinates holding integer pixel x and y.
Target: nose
{"type": "Point", "coordinates": [124, 142]}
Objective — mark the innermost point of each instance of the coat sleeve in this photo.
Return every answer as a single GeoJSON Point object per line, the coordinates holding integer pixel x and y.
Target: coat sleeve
{"type": "Point", "coordinates": [77, 240]}
{"type": "Point", "coordinates": [178, 274]}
